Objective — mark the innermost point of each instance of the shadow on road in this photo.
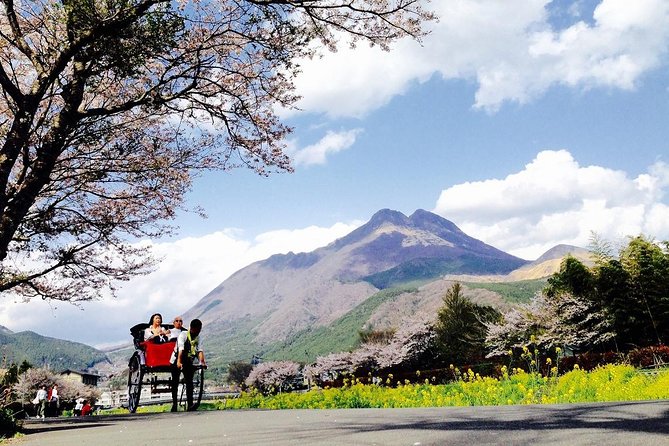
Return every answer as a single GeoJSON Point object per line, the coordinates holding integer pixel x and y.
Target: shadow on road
{"type": "Point", "coordinates": [611, 417]}
{"type": "Point", "coordinates": [32, 426]}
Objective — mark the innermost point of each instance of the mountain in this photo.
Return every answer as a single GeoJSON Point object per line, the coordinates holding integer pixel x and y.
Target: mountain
{"type": "Point", "coordinates": [278, 298]}
{"type": "Point", "coordinates": [40, 351]}
{"type": "Point", "coordinates": [550, 262]}
{"type": "Point", "coordinates": [547, 264]}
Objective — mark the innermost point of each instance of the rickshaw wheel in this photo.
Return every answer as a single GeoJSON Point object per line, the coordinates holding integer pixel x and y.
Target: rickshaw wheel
{"type": "Point", "coordinates": [135, 373]}
{"type": "Point", "coordinates": [198, 389]}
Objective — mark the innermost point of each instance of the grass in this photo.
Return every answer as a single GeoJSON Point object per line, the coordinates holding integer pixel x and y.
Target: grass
{"type": "Point", "coordinates": [516, 292]}
{"type": "Point", "coordinates": [341, 335]}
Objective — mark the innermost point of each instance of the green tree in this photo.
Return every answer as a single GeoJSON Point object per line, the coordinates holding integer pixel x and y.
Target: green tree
{"type": "Point", "coordinates": [574, 277]}
{"type": "Point", "coordinates": [647, 266]}
{"type": "Point", "coordinates": [238, 371]}
{"type": "Point", "coordinates": [24, 367]}
{"type": "Point", "coordinates": [109, 108]}
{"type": "Point", "coordinates": [612, 289]}
{"type": "Point", "coordinates": [461, 327]}
{"type": "Point", "coordinates": [628, 294]}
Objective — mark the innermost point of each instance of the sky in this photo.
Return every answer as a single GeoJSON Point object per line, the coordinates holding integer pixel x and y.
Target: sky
{"type": "Point", "coordinates": [527, 123]}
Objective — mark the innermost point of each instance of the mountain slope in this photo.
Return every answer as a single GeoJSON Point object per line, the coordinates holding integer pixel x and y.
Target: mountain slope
{"type": "Point", "coordinates": [278, 298]}
{"type": "Point", "coordinates": [40, 351]}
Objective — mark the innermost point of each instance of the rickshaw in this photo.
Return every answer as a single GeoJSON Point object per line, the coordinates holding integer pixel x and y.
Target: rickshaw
{"type": "Point", "coordinates": [150, 365]}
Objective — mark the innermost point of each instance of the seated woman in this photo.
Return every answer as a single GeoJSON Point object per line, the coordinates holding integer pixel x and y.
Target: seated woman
{"type": "Point", "coordinates": [155, 332]}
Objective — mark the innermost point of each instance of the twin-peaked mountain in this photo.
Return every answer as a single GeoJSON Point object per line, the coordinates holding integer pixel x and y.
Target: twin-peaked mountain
{"type": "Point", "coordinates": [275, 299]}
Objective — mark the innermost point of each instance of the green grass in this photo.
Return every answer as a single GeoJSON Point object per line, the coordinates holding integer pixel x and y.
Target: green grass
{"type": "Point", "coordinates": [341, 335]}
{"type": "Point", "coordinates": [515, 292]}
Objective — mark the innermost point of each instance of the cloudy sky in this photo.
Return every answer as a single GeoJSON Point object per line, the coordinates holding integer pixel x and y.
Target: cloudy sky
{"type": "Point", "coordinates": [527, 123]}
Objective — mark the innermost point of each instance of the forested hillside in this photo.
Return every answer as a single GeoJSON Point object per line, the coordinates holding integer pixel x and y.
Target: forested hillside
{"type": "Point", "coordinates": [56, 354]}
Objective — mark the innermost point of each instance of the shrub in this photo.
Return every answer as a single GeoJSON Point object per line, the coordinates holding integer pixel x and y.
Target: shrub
{"type": "Point", "coordinates": [649, 356]}
{"type": "Point", "coordinates": [8, 424]}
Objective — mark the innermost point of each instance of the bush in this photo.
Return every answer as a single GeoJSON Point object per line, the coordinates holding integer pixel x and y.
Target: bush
{"type": "Point", "coordinates": [649, 356]}
{"type": "Point", "coordinates": [591, 360]}
{"type": "Point", "coordinates": [8, 424]}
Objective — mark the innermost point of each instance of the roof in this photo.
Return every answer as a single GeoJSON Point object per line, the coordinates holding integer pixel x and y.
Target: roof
{"type": "Point", "coordinates": [70, 371]}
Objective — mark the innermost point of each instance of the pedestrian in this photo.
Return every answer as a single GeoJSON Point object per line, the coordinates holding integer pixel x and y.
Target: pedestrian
{"type": "Point", "coordinates": [40, 400]}
{"type": "Point", "coordinates": [54, 400]}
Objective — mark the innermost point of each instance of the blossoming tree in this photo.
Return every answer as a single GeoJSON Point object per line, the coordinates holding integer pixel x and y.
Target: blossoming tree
{"type": "Point", "coordinates": [109, 107]}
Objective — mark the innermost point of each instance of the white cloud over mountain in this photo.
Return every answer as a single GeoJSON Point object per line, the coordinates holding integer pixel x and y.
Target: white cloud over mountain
{"type": "Point", "coordinates": [555, 200]}
{"type": "Point", "coordinates": [513, 50]}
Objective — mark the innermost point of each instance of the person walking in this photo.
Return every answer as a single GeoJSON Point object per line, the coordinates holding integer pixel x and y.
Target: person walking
{"type": "Point", "coordinates": [54, 400]}
{"type": "Point", "coordinates": [41, 402]}
{"type": "Point", "coordinates": [186, 351]}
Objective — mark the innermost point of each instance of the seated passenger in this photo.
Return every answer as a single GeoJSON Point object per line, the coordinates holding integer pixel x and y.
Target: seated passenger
{"type": "Point", "coordinates": [178, 327]}
{"type": "Point", "coordinates": [155, 332]}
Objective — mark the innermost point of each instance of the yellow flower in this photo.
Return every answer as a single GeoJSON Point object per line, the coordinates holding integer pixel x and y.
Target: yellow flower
{"type": "Point", "coordinates": [548, 361]}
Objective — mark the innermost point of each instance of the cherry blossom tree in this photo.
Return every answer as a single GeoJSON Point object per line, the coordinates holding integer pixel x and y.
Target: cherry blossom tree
{"type": "Point", "coordinates": [274, 376]}
{"type": "Point", "coordinates": [109, 108]}
{"type": "Point", "coordinates": [559, 320]}
{"type": "Point", "coordinates": [413, 344]}
{"type": "Point", "coordinates": [68, 390]}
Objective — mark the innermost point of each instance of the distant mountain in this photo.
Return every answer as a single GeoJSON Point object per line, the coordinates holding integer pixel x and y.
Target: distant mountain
{"type": "Point", "coordinates": [549, 262]}
{"type": "Point", "coordinates": [275, 299]}
{"type": "Point", "coordinates": [42, 351]}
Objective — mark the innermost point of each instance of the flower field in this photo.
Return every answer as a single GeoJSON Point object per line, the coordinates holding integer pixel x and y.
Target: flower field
{"type": "Point", "coordinates": [607, 383]}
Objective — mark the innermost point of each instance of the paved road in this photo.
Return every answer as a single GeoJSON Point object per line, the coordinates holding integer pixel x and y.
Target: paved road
{"type": "Point", "coordinates": [638, 423]}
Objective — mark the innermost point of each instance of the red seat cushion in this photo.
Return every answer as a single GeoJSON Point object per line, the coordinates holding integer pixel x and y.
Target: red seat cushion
{"type": "Point", "coordinates": [158, 354]}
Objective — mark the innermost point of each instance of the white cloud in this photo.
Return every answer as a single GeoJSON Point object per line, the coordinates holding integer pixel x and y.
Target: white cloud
{"type": "Point", "coordinates": [191, 268]}
{"type": "Point", "coordinates": [317, 153]}
{"type": "Point", "coordinates": [509, 48]}
{"type": "Point", "coordinates": [555, 200]}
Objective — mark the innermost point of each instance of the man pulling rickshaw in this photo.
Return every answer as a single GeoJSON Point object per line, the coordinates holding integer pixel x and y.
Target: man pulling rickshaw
{"type": "Point", "coordinates": [187, 355]}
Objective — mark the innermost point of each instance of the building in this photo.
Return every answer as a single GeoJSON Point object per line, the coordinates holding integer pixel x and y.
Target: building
{"type": "Point", "coordinates": [90, 379]}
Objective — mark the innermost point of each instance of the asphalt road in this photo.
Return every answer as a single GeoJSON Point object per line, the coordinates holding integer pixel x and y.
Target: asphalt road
{"type": "Point", "coordinates": [633, 423]}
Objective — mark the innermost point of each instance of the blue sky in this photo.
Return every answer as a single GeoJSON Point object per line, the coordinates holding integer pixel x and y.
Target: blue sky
{"type": "Point", "coordinates": [527, 123]}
